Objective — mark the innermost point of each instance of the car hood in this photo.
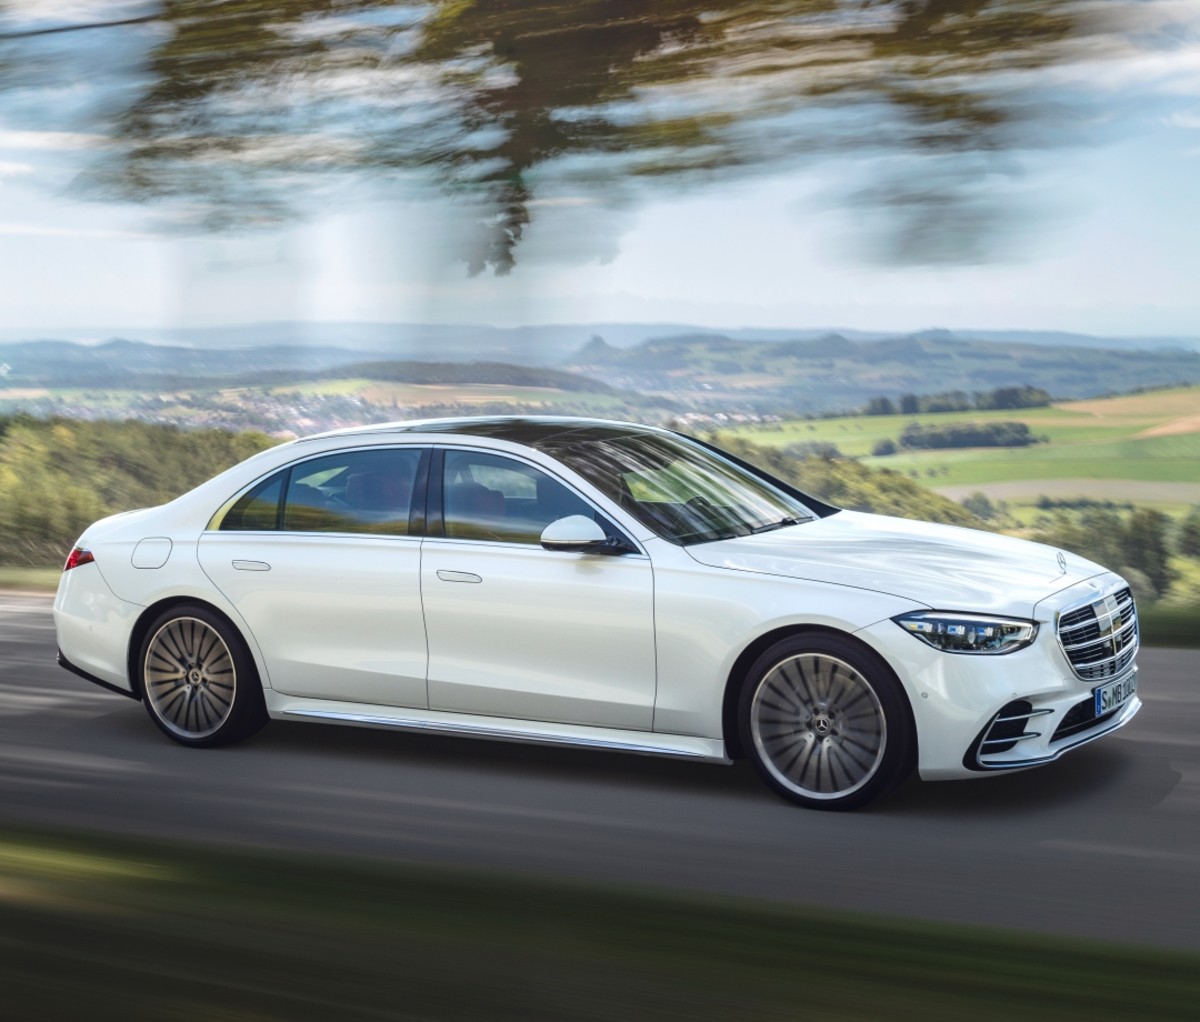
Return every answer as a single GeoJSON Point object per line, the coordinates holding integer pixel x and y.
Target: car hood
{"type": "Point", "coordinates": [940, 566]}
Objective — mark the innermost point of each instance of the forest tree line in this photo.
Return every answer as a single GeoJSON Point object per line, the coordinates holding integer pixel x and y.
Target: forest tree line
{"type": "Point", "coordinates": [57, 476]}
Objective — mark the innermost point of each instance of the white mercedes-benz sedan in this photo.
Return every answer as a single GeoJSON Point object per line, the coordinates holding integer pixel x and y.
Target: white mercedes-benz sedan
{"type": "Point", "coordinates": [599, 584]}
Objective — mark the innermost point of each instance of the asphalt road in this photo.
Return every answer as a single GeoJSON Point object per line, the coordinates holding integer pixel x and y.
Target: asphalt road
{"type": "Point", "coordinates": [1104, 843]}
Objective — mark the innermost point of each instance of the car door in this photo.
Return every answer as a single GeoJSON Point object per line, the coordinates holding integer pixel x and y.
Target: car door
{"type": "Point", "coordinates": [322, 562]}
{"type": "Point", "coordinates": [519, 631]}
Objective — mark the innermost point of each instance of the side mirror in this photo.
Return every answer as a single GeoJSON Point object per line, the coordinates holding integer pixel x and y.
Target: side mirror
{"type": "Point", "coordinates": [576, 534]}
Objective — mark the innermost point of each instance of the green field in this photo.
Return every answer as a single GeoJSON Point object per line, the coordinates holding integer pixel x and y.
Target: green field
{"type": "Point", "coordinates": [1141, 448]}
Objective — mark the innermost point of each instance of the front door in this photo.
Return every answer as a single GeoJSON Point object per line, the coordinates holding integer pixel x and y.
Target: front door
{"type": "Point", "coordinates": [518, 631]}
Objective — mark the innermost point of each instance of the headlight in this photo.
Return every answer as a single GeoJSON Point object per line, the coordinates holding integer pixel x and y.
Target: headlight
{"type": "Point", "coordinates": [968, 633]}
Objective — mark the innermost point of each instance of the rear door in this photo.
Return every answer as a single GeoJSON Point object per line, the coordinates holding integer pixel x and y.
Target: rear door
{"type": "Point", "coordinates": [322, 561]}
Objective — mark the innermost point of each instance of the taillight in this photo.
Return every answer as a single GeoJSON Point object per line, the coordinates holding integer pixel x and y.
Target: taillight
{"type": "Point", "coordinates": [77, 557]}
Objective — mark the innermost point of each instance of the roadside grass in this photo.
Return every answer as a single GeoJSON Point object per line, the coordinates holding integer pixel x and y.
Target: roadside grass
{"type": "Point", "coordinates": [1164, 624]}
{"type": "Point", "coordinates": [40, 579]}
{"type": "Point", "coordinates": [108, 928]}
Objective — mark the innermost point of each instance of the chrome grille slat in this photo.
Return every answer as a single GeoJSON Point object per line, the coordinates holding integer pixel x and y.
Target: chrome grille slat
{"type": "Point", "coordinates": [1099, 641]}
{"type": "Point", "coordinates": [1009, 742]}
{"type": "Point", "coordinates": [1066, 629]}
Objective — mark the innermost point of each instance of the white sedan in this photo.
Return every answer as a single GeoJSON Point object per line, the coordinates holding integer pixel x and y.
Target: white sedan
{"type": "Point", "coordinates": [599, 584]}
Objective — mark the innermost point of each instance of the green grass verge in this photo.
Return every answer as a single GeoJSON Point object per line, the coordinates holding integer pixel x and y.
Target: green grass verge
{"type": "Point", "coordinates": [1170, 626]}
{"type": "Point", "coordinates": [45, 579]}
{"type": "Point", "coordinates": [120, 929]}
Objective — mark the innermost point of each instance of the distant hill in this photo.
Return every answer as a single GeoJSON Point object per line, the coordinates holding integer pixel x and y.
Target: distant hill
{"type": "Point", "coordinates": [541, 344]}
{"type": "Point", "coordinates": [701, 371]}
{"type": "Point", "coordinates": [832, 372]}
{"type": "Point", "coordinates": [121, 364]}
{"type": "Point", "coordinates": [130, 365]}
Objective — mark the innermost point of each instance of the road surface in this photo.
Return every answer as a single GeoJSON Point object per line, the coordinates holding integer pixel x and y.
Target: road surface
{"type": "Point", "coordinates": [1105, 843]}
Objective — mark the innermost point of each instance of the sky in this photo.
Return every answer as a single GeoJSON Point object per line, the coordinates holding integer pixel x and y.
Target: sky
{"type": "Point", "coordinates": [1104, 237]}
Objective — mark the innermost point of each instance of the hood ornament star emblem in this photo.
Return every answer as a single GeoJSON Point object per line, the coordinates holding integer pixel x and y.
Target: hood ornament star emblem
{"type": "Point", "coordinates": [1062, 562]}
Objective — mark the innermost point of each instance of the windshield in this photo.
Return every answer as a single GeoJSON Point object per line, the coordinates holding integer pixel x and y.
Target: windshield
{"type": "Point", "coordinates": [683, 492]}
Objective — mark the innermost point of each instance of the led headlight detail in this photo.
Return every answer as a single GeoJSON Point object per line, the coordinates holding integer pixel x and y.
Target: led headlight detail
{"type": "Point", "coordinates": [968, 633]}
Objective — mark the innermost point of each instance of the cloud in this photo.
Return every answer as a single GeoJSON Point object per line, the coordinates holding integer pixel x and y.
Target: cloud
{"type": "Point", "coordinates": [66, 12]}
{"type": "Point", "coordinates": [8, 169]}
{"type": "Point", "coordinates": [53, 141]}
{"type": "Point", "coordinates": [1183, 121]}
{"type": "Point", "coordinates": [45, 231]}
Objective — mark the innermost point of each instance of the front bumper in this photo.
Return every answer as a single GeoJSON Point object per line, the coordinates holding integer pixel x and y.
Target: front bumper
{"type": "Point", "coordinates": [977, 714]}
{"type": "Point", "coordinates": [1045, 734]}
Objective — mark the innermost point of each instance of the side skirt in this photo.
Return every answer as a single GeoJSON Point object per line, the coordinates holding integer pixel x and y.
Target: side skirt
{"type": "Point", "coordinates": [647, 743]}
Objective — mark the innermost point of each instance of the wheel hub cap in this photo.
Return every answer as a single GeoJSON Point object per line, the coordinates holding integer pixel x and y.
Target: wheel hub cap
{"type": "Point", "coordinates": [190, 678]}
{"type": "Point", "coordinates": [818, 726]}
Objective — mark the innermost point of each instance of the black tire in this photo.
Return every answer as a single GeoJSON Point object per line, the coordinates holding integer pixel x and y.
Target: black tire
{"type": "Point", "coordinates": [826, 722]}
{"type": "Point", "coordinates": [198, 680]}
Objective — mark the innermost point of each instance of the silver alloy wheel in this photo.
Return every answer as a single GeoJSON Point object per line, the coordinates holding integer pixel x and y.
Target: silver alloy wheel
{"type": "Point", "coordinates": [818, 726]}
{"type": "Point", "coordinates": [190, 678]}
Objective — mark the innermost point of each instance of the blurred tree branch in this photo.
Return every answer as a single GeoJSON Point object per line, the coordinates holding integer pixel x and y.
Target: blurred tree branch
{"type": "Point", "coordinates": [246, 100]}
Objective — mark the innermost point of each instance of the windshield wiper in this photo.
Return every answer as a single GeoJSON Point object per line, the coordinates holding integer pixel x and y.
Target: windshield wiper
{"type": "Point", "coordinates": [781, 524]}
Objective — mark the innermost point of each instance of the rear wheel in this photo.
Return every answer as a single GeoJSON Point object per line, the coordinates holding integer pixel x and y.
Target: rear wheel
{"type": "Point", "coordinates": [198, 680]}
{"type": "Point", "coordinates": [825, 722]}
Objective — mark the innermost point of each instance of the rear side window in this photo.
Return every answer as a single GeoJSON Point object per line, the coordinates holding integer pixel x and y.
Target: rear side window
{"type": "Point", "coordinates": [256, 510]}
{"type": "Point", "coordinates": [352, 491]}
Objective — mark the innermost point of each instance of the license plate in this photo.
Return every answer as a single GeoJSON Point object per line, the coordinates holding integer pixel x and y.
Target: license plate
{"type": "Point", "coordinates": [1115, 694]}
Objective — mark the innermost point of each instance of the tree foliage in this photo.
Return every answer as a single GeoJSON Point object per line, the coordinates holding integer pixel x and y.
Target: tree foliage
{"type": "Point", "coordinates": [1135, 545]}
{"type": "Point", "coordinates": [58, 476]}
{"type": "Point", "coordinates": [242, 100]}
{"type": "Point", "coordinates": [918, 437]}
{"type": "Point", "coordinates": [1024, 396]}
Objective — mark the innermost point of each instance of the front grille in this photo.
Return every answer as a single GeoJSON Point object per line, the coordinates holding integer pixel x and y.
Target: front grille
{"type": "Point", "coordinates": [1100, 638]}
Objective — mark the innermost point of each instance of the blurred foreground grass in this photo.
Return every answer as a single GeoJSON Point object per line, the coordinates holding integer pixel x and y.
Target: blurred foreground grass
{"type": "Point", "coordinates": [106, 928]}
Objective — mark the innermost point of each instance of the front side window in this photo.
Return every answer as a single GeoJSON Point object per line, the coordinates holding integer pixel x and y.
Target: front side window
{"type": "Point", "coordinates": [491, 497]}
{"type": "Point", "coordinates": [682, 491]}
{"type": "Point", "coordinates": [352, 491]}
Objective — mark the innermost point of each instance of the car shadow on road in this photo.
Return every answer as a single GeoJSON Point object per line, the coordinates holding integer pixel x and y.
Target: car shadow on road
{"type": "Point", "coordinates": [516, 759]}
{"type": "Point", "coordinates": [1115, 777]}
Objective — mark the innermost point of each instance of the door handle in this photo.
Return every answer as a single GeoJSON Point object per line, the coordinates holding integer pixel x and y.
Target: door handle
{"type": "Point", "coordinates": [459, 576]}
{"type": "Point", "coordinates": [252, 565]}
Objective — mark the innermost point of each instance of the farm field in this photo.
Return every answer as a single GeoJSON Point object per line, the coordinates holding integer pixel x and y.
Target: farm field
{"type": "Point", "coordinates": [1139, 448]}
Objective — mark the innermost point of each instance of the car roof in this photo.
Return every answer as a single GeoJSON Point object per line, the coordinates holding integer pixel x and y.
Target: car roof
{"type": "Point", "coordinates": [530, 431]}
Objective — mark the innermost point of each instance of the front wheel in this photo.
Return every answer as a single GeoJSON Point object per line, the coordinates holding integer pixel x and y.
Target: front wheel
{"type": "Point", "coordinates": [198, 679]}
{"type": "Point", "coordinates": [825, 722]}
